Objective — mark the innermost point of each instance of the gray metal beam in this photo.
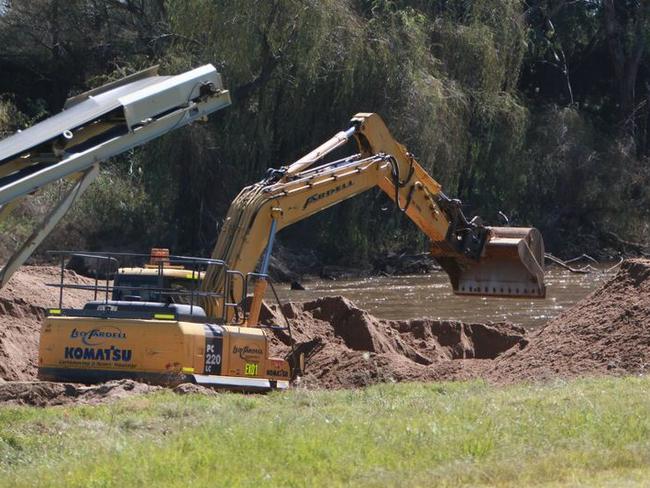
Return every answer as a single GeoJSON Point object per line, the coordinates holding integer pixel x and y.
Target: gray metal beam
{"type": "Point", "coordinates": [135, 102]}
{"type": "Point", "coordinates": [94, 127]}
{"type": "Point", "coordinates": [47, 225]}
{"type": "Point", "coordinates": [117, 145]}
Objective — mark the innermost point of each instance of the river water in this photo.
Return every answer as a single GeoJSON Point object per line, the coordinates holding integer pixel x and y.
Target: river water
{"type": "Point", "coordinates": [405, 297]}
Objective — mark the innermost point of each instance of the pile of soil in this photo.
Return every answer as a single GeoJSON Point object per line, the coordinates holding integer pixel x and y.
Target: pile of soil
{"type": "Point", "coordinates": [345, 346]}
{"type": "Point", "coordinates": [23, 305]}
{"type": "Point", "coordinates": [608, 332]}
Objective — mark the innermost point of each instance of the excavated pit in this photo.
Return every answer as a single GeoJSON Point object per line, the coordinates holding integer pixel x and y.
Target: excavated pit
{"type": "Point", "coordinates": [346, 346]}
{"type": "Point", "coordinates": [608, 332]}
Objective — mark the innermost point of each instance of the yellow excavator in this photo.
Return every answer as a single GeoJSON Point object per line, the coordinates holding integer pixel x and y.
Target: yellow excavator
{"type": "Point", "coordinates": [480, 260]}
{"type": "Point", "coordinates": [179, 319]}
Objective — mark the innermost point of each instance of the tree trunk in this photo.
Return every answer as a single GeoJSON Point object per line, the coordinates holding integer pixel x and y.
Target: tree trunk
{"type": "Point", "coordinates": [626, 55]}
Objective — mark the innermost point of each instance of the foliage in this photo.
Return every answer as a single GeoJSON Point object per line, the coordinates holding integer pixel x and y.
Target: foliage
{"type": "Point", "coordinates": [510, 105]}
{"type": "Point", "coordinates": [10, 118]}
{"type": "Point", "coordinates": [118, 210]}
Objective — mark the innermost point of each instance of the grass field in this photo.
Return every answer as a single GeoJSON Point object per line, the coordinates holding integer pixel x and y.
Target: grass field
{"type": "Point", "coordinates": [593, 432]}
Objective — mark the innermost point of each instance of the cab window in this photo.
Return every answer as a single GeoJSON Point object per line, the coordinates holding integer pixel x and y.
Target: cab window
{"type": "Point", "coordinates": [145, 288]}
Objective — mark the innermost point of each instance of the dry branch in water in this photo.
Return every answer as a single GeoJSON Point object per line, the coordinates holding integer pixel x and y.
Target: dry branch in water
{"type": "Point", "coordinates": [585, 270]}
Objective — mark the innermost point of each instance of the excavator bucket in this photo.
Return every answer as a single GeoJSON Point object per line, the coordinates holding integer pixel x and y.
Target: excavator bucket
{"type": "Point", "coordinates": [511, 265]}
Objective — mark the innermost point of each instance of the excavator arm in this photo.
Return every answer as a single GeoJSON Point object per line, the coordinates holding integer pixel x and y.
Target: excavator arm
{"type": "Point", "coordinates": [481, 260]}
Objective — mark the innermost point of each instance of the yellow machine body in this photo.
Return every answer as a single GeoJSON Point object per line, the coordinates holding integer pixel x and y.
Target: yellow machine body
{"type": "Point", "coordinates": [92, 349]}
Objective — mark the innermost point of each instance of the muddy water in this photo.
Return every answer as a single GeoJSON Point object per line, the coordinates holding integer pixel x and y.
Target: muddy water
{"type": "Point", "coordinates": [405, 297]}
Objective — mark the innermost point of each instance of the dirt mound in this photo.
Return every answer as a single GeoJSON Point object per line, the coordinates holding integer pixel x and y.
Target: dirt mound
{"type": "Point", "coordinates": [23, 303]}
{"type": "Point", "coordinates": [346, 346]}
{"type": "Point", "coordinates": [191, 388]}
{"type": "Point", "coordinates": [606, 333]}
{"type": "Point", "coordinates": [43, 393]}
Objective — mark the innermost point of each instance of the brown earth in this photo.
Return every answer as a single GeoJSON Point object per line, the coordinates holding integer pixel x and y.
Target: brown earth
{"type": "Point", "coordinates": [23, 303]}
{"type": "Point", "coordinates": [45, 393]}
{"type": "Point", "coordinates": [345, 346]}
{"type": "Point", "coordinates": [606, 333]}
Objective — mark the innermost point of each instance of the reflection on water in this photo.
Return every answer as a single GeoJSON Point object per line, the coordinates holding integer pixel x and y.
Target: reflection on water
{"type": "Point", "coordinates": [404, 297]}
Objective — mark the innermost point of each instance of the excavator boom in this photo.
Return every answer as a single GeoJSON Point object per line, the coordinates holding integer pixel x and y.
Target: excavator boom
{"type": "Point", "coordinates": [480, 260]}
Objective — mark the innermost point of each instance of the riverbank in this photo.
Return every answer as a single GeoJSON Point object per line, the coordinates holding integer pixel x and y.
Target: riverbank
{"type": "Point", "coordinates": [416, 296]}
{"type": "Point", "coordinates": [345, 346]}
{"type": "Point", "coordinates": [564, 405]}
{"type": "Point", "coordinates": [608, 332]}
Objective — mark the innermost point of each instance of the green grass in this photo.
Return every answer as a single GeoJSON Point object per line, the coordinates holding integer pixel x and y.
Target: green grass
{"type": "Point", "coordinates": [593, 432]}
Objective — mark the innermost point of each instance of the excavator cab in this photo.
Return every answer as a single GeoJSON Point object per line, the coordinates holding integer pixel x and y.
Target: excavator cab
{"type": "Point", "coordinates": [144, 283]}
